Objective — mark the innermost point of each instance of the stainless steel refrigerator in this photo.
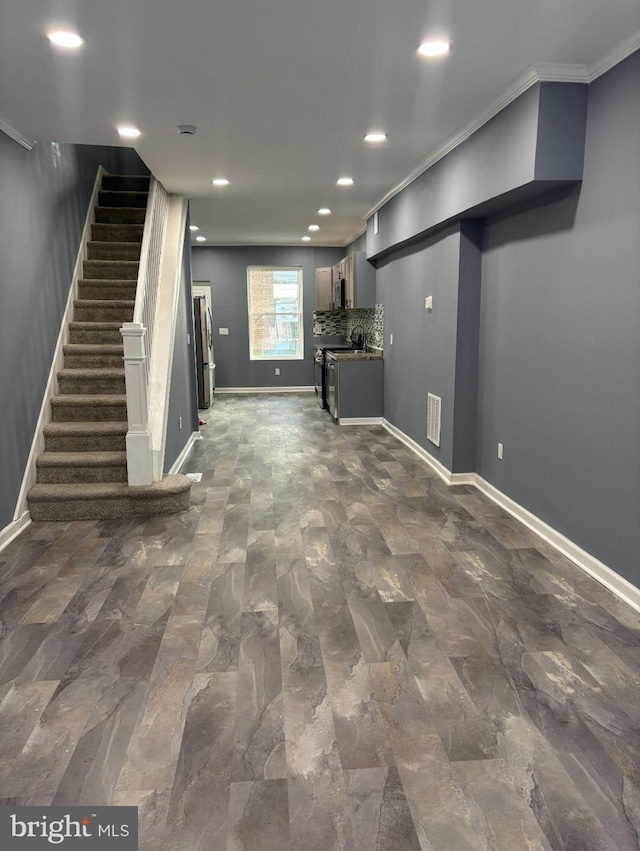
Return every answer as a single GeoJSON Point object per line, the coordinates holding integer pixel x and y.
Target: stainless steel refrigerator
{"type": "Point", "coordinates": [203, 329]}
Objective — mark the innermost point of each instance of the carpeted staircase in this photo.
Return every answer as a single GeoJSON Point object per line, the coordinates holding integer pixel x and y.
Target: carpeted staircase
{"type": "Point", "coordinates": [82, 475]}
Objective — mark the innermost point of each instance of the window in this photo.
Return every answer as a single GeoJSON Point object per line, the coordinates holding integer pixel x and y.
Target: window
{"type": "Point", "coordinates": [275, 312]}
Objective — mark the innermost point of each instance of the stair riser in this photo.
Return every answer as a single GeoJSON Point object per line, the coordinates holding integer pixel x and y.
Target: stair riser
{"type": "Point", "coordinates": [108, 509]}
{"type": "Point", "coordinates": [78, 335]}
{"type": "Point", "coordinates": [87, 289]}
{"type": "Point", "coordinates": [116, 233]}
{"type": "Point", "coordinates": [123, 199]}
{"type": "Point", "coordinates": [104, 269]}
{"type": "Point", "coordinates": [93, 361]}
{"type": "Point", "coordinates": [125, 183]}
{"type": "Point", "coordinates": [90, 386]}
{"type": "Point", "coordinates": [113, 251]}
{"type": "Point", "coordinates": [119, 215]}
{"type": "Point", "coordinates": [85, 443]}
{"type": "Point", "coordinates": [88, 414]}
{"type": "Point", "coordinates": [80, 475]}
{"type": "Point", "coordinates": [103, 314]}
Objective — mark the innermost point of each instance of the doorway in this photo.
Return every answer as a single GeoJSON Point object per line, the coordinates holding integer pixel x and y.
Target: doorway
{"type": "Point", "coordinates": [203, 329]}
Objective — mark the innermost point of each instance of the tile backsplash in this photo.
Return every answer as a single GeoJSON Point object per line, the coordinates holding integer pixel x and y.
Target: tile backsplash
{"type": "Point", "coordinates": [371, 319]}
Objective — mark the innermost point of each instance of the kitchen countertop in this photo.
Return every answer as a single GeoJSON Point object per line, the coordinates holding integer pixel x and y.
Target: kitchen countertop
{"type": "Point", "coordinates": [351, 355]}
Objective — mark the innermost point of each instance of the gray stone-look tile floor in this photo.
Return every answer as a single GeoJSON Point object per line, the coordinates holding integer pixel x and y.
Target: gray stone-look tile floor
{"type": "Point", "coordinates": [330, 650]}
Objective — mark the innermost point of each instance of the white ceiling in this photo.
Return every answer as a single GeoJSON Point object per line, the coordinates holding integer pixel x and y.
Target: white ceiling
{"type": "Point", "coordinates": [282, 91]}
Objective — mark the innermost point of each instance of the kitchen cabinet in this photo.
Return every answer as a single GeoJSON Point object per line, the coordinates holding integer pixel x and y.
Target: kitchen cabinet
{"type": "Point", "coordinates": [355, 388]}
{"type": "Point", "coordinates": [360, 277]}
{"type": "Point", "coordinates": [324, 289]}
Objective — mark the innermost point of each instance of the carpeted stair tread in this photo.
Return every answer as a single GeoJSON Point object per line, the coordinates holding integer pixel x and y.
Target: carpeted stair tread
{"type": "Point", "coordinates": [105, 290]}
{"type": "Point", "coordinates": [82, 459]}
{"type": "Point", "coordinates": [106, 250]}
{"type": "Point", "coordinates": [95, 332]}
{"type": "Point", "coordinates": [105, 400]}
{"type": "Point", "coordinates": [84, 372]}
{"type": "Point", "coordinates": [101, 302]}
{"type": "Point", "coordinates": [106, 232]}
{"type": "Point", "coordinates": [93, 348]}
{"type": "Point", "coordinates": [120, 215]}
{"type": "Point", "coordinates": [86, 429]}
{"type": "Point", "coordinates": [126, 182]}
{"type": "Point", "coordinates": [122, 198]}
{"type": "Point", "coordinates": [113, 270]}
{"type": "Point", "coordinates": [169, 486]}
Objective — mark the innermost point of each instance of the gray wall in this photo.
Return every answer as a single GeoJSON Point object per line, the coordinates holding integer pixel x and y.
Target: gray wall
{"type": "Point", "coordinates": [560, 345]}
{"type": "Point", "coordinates": [423, 355]}
{"type": "Point", "coordinates": [183, 393]}
{"type": "Point", "coordinates": [44, 196]}
{"type": "Point", "coordinates": [358, 244]}
{"type": "Point", "coordinates": [536, 139]}
{"type": "Point", "coordinates": [226, 268]}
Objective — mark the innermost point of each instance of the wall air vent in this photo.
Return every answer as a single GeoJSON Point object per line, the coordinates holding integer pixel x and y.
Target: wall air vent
{"type": "Point", "coordinates": [434, 407]}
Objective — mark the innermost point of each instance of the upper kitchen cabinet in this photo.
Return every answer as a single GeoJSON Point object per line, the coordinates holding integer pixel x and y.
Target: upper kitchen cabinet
{"type": "Point", "coordinates": [324, 289]}
{"type": "Point", "coordinates": [360, 280]}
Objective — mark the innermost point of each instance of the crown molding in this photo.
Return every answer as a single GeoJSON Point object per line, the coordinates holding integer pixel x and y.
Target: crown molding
{"type": "Point", "coordinates": [540, 72]}
{"type": "Point", "coordinates": [621, 52]}
{"type": "Point", "coordinates": [15, 134]}
{"type": "Point", "coordinates": [546, 72]}
{"type": "Point", "coordinates": [357, 233]}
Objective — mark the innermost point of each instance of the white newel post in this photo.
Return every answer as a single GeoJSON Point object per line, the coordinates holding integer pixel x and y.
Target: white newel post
{"type": "Point", "coordinates": [139, 449]}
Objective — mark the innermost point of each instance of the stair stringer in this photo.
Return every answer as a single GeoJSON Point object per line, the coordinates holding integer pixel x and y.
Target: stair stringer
{"type": "Point", "coordinates": [21, 515]}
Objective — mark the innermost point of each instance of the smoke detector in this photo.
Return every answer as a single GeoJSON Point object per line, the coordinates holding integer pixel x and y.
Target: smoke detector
{"type": "Point", "coordinates": [187, 129]}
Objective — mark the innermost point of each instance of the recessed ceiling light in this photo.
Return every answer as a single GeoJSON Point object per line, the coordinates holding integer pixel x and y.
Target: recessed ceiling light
{"type": "Point", "coordinates": [194, 227]}
{"type": "Point", "coordinates": [128, 132]}
{"type": "Point", "coordinates": [345, 181]}
{"type": "Point", "coordinates": [376, 136]}
{"type": "Point", "coordinates": [313, 227]}
{"type": "Point", "coordinates": [434, 48]}
{"type": "Point", "coordinates": [201, 239]}
{"type": "Point", "coordinates": [306, 238]}
{"type": "Point", "coordinates": [324, 211]}
{"type": "Point", "coordinates": [65, 39]}
{"type": "Point", "coordinates": [220, 181]}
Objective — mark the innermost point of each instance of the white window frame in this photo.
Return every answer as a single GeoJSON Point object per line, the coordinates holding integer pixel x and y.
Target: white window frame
{"type": "Point", "coordinates": [278, 268]}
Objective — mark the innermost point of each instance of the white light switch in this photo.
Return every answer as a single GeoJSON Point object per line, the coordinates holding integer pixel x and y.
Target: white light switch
{"type": "Point", "coordinates": [277, 371]}
{"type": "Point", "coordinates": [428, 302]}
{"type": "Point", "coordinates": [223, 332]}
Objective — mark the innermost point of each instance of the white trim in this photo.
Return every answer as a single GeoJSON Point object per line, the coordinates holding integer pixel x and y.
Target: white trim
{"type": "Point", "coordinates": [37, 444]}
{"type": "Point", "coordinates": [541, 72]}
{"type": "Point", "coordinates": [244, 390]}
{"type": "Point", "coordinates": [618, 585]}
{"type": "Point", "coordinates": [15, 134]}
{"type": "Point", "coordinates": [435, 465]}
{"type": "Point", "coordinates": [13, 529]}
{"type": "Point", "coordinates": [356, 234]}
{"type": "Point", "coordinates": [619, 54]}
{"type": "Point", "coordinates": [182, 457]}
{"type": "Point", "coordinates": [346, 421]}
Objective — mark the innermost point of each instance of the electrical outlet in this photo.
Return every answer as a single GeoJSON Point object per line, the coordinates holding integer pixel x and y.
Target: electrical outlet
{"type": "Point", "coordinates": [277, 371]}
{"type": "Point", "coordinates": [180, 421]}
{"type": "Point", "coordinates": [428, 302]}
{"type": "Point", "coordinates": [391, 339]}
{"type": "Point", "coordinates": [223, 332]}
{"type": "Point", "coordinates": [188, 338]}
{"type": "Point", "coordinates": [500, 451]}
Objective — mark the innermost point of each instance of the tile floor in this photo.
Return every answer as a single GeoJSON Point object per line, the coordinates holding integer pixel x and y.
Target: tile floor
{"type": "Point", "coordinates": [330, 650]}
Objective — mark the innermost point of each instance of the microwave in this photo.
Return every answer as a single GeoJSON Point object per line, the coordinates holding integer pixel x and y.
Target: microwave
{"type": "Point", "coordinates": [340, 294]}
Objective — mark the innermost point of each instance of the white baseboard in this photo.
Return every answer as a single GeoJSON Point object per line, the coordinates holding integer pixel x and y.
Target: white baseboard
{"type": "Point", "coordinates": [51, 389]}
{"type": "Point", "coordinates": [182, 457]}
{"type": "Point", "coordinates": [617, 584]}
{"type": "Point", "coordinates": [360, 421]}
{"type": "Point", "coordinates": [221, 391]}
{"type": "Point", "coordinates": [13, 529]}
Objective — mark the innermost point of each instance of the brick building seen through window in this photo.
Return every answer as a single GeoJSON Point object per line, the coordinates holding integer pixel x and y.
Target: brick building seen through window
{"type": "Point", "coordinates": [275, 312]}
